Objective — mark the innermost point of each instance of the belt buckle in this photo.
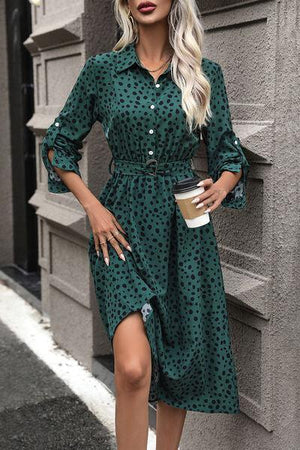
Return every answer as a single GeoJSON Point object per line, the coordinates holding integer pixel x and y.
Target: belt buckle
{"type": "Point", "coordinates": [150, 161]}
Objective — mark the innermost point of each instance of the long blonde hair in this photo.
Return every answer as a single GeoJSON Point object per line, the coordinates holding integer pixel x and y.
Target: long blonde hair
{"type": "Point", "coordinates": [186, 38]}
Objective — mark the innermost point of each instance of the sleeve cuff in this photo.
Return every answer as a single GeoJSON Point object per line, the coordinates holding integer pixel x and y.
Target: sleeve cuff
{"type": "Point", "coordinates": [236, 198]}
{"type": "Point", "coordinates": [66, 156]}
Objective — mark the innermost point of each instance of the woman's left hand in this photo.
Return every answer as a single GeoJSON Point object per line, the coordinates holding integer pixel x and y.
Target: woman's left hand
{"type": "Point", "coordinates": [212, 196]}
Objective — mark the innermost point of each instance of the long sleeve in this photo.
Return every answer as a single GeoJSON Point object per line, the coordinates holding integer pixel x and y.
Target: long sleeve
{"type": "Point", "coordinates": [224, 149]}
{"type": "Point", "coordinates": [70, 127]}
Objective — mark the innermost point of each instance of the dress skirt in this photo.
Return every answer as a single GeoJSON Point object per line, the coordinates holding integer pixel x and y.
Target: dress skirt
{"type": "Point", "coordinates": [173, 277]}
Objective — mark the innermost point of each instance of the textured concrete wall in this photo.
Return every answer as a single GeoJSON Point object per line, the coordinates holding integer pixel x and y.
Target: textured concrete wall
{"type": "Point", "coordinates": [256, 44]}
{"type": "Point", "coordinates": [6, 216]}
{"type": "Point", "coordinates": [61, 41]}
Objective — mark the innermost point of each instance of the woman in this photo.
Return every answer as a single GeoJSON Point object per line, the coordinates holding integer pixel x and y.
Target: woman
{"type": "Point", "coordinates": [159, 283]}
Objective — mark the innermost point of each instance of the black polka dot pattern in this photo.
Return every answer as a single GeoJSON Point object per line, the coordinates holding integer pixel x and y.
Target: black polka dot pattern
{"type": "Point", "coordinates": [224, 149]}
{"type": "Point", "coordinates": [173, 275]}
{"type": "Point", "coordinates": [69, 128]}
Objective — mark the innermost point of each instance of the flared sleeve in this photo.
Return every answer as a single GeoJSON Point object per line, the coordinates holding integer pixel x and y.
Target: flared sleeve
{"type": "Point", "coordinates": [224, 149]}
{"type": "Point", "coordinates": [70, 127]}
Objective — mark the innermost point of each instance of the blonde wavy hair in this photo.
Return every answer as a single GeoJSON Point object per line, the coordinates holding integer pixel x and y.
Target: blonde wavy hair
{"type": "Point", "coordinates": [186, 38]}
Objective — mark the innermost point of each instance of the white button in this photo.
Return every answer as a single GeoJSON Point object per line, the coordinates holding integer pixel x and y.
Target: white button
{"type": "Point", "coordinates": [150, 152]}
{"type": "Point", "coordinates": [152, 106]}
{"type": "Point", "coordinates": [157, 85]}
{"type": "Point", "coordinates": [57, 124]}
{"type": "Point", "coordinates": [151, 131]}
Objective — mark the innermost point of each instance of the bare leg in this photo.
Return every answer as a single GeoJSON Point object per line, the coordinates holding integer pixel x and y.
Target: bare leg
{"type": "Point", "coordinates": [132, 357]}
{"type": "Point", "coordinates": [169, 426]}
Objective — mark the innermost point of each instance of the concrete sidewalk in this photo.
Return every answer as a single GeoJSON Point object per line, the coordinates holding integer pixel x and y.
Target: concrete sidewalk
{"type": "Point", "coordinates": [37, 410]}
{"type": "Point", "coordinates": [48, 400]}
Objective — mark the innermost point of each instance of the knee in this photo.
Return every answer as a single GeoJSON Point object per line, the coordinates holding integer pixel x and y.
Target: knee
{"type": "Point", "coordinates": [132, 375]}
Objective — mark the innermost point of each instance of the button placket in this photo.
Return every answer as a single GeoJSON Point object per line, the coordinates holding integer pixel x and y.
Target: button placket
{"type": "Point", "coordinates": [157, 90]}
{"type": "Point", "coordinates": [150, 152]}
{"type": "Point", "coordinates": [152, 131]}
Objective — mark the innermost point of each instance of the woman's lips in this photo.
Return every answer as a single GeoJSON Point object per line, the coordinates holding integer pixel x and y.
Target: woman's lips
{"type": "Point", "coordinates": [146, 9]}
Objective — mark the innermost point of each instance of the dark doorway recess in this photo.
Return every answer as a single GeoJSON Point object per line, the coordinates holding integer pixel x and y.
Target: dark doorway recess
{"type": "Point", "coordinates": [20, 75]}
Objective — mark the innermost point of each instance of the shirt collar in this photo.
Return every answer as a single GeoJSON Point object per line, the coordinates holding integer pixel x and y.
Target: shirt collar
{"type": "Point", "coordinates": [128, 56]}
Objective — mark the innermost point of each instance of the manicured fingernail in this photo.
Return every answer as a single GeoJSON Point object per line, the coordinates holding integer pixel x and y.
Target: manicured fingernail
{"type": "Point", "coordinates": [106, 261]}
{"type": "Point", "coordinates": [207, 210]}
{"type": "Point", "coordinates": [129, 248]}
{"type": "Point", "coordinates": [199, 205]}
{"type": "Point", "coordinates": [122, 256]}
{"type": "Point", "coordinates": [195, 200]}
{"type": "Point", "coordinates": [200, 183]}
{"type": "Point", "coordinates": [97, 251]}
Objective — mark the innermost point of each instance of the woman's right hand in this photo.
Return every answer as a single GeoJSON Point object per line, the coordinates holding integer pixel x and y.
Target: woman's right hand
{"type": "Point", "coordinates": [106, 229]}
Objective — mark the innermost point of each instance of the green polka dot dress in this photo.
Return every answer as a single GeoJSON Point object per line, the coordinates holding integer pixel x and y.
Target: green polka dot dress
{"type": "Point", "coordinates": [173, 275]}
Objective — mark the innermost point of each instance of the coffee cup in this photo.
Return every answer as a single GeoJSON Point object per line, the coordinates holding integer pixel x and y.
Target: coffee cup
{"type": "Point", "coordinates": [184, 191]}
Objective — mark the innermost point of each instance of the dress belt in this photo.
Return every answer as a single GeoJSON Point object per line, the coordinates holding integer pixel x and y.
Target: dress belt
{"type": "Point", "coordinates": [150, 167]}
